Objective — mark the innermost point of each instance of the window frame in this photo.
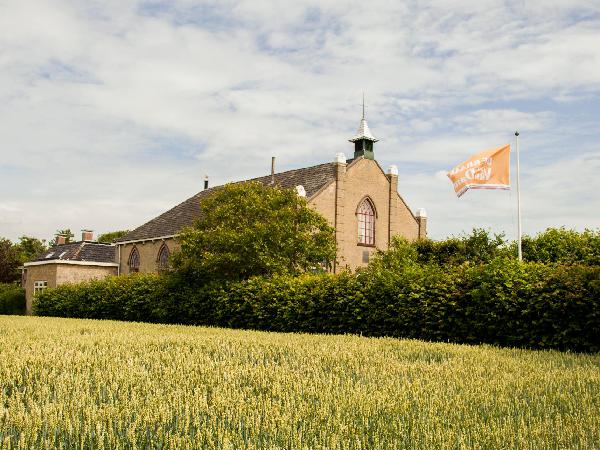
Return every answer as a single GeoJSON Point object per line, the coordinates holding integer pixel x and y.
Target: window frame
{"type": "Point", "coordinates": [363, 221]}
{"type": "Point", "coordinates": [164, 249]}
{"type": "Point", "coordinates": [39, 286]}
{"type": "Point", "coordinates": [134, 257]}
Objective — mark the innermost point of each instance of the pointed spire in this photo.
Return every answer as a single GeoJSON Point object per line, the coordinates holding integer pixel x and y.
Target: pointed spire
{"type": "Point", "coordinates": [363, 131]}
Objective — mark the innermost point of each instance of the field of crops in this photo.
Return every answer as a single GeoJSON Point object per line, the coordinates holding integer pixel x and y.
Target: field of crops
{"type": "Point", "coordinates": [76, 383]}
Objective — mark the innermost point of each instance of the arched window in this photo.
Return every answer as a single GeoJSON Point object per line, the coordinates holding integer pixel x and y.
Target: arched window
{"type": "Point", "coordinates": [366, 222]}
{"type": "Point", "coordinates": [162, 260]}
{"type": "Point", "coordinates": [134, 260]}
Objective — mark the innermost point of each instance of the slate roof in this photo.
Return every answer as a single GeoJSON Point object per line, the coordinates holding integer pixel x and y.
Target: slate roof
{"type": "Point", "coordinates": [171, 222]}
{"type": "Point", "coordinates": [80, 251]}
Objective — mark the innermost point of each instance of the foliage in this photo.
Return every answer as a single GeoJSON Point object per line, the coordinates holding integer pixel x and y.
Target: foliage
{"type": "Point", "coordinates": [131, 298]}
{"type": "Point", "coordinates": [9, 261]}
{"type": "Point", "coordinates": [12, 299]}
{"type": "Point", "coordinates": [563, 246]}
{"type": "Point", "coordinates": [92, 384]}
{"type": "Point", "coordinates": [30, 248]}
{"type": "Point", "coordinates": [249, 229]}
{"type": "Point", "coordinates": [13, 255]}
{"type": "Point", "coordinates": [110, 237]}
{"type": "Point", "coordinates": [555, 245]}
{"type": "Point", "coordinates": [529, 305]}
{"type": "Point", "coordinates": [477, 248]}
{"type": "Point", "coordinates": [67, 233]}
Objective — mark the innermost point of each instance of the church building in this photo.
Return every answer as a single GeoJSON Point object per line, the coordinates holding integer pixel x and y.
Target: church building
{"type": "Point", "coordinates": [358, 198]}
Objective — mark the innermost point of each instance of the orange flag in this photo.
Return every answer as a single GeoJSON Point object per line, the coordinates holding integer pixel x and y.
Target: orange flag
{"type": "Point", "coordinates": [489, 169]}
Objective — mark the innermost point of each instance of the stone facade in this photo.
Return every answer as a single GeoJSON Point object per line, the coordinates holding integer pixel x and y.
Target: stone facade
{"type": "Point", "coordinates": [56, 273]}
{"type": "Point", "coordinates": [338, 202]}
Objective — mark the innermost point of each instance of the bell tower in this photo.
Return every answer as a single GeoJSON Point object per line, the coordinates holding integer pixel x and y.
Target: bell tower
{"type": "Point", "coordinates": [363, 140]}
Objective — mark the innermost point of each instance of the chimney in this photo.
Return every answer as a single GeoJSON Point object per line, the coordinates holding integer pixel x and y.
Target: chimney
{"type": "Point", "coordinates": [61, 239]}
{"type": "Point", "coordinates": [422, 222]}
{"type": "Point", "coordinates": [205, 182]}
{"type": "Point", "coordinates": [272, 170]}
{"type": "Point", "coordinates": [87, 235]}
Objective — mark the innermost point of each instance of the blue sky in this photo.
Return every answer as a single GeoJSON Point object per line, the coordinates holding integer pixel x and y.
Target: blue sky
{"type": "Point", "coordinates": [112, 112]}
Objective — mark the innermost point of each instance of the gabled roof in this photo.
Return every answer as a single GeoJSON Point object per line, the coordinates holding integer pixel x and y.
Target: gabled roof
{"type": "Point", "coordinates": [80, 251]}
{"type": "Point", "coordinates": [172, 221]}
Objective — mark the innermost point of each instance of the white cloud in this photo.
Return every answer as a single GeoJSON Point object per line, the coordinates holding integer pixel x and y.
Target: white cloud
{"type": "Point", "coordinates": [112, 111]}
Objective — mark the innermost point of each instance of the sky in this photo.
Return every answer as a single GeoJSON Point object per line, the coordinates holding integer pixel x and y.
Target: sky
{"type": "Point", "coordinates": [112, 112]}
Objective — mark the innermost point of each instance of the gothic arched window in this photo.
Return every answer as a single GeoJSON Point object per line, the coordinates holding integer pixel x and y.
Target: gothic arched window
{"type": "Point", "coordinates": [134, 260]}
{"type": "Point", "coordinates": [162, 260]}
{"type": "Point", "coordinates": [366, 222]}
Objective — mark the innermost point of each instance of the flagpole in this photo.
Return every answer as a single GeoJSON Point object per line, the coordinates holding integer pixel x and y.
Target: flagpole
{"type": "Point", "coordinates": [520, 251]}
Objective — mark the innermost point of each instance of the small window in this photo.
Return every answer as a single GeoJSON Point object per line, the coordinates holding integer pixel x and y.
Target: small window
{"type": "Point", "coordinates": [162, 261]}
{"type": "Point", "coordinates": [134, 261]}
{"type": "Point", "coordinates": [49, 255]}
{"type": "Point", "coordinates": [366, 223]}
{"type": "Point", "coordinates": [39, 286]}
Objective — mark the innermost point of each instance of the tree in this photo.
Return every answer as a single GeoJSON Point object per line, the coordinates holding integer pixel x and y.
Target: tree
{"type": "Point", "coordinates": [109, 238]}
{"type": "Point", "coordinates": [248, 229]}
{"type": "Point", "coordinates": [66, 233]}
{"type": "Point", "coordinates": [30, 248]}
{"type": "Point", "coordinates": [9, 261]}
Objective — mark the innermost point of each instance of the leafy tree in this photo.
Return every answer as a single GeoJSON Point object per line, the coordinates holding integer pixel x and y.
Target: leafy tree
{"type": "Point", "coordinates": [67, 233]}
{"type": "Point", "coordinates": [248, 229]}
{"type": "Point", "coordinates": [9, 261]}
{"type": "Point", "coordinates": [30, 247]}
{"type": "Point", "coordinates": [108, 238]}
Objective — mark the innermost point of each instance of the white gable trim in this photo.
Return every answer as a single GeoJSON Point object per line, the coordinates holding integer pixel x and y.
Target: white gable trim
{"type": "Point", "coordinates": [73, 263]}
{"type": "Point", "coordinates": [157, 238]}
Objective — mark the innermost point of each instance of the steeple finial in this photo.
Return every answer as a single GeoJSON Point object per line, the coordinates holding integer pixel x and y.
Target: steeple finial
{"type": "Point", "coordinates": [363, 116]}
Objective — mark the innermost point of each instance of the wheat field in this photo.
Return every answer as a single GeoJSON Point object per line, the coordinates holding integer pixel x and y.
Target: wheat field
{"type": "Point", "coordinates": [90, 384]}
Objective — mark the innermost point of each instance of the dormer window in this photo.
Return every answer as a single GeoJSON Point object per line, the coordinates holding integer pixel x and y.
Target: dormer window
{"type": "Point", "coordinates": [134, 261]}
{"type": "Point", "coordinates": [366, 223]}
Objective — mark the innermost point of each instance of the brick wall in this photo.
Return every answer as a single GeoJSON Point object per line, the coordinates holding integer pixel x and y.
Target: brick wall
{"type": "Point", "coordinates": [358, 180]}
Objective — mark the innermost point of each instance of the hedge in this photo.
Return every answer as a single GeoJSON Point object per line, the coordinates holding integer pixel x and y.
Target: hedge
{"type": "Point", "coordinates": [12, 299]}
{"type": "Point", "coordinates": [504, 303]}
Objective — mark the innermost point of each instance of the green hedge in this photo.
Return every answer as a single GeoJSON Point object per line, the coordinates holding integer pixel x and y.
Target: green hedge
{"type": "Point", "coordinates": [12, 299]}
{"type": "Point", "coordinates": [503, 303]}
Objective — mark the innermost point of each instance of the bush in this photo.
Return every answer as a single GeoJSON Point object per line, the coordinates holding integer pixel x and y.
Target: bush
{"type": "Point", "coordinates": [563, 246]}
{"type": "Point", "coordinates": [135, 298]}
{"type": "Point", "coordinates": [12, 299]}
{"type": "Point", "coordinates": [503, 303]}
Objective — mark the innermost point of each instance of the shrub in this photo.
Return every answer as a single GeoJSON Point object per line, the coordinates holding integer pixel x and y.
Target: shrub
{"type": "Point", "coordinates": [503, 303]}
{"type": "Point", "coordinates": [136, 298]}
{"type": "Point", "coordinates": [563, 246]}
{"type": "Point", "coordinates": [12, 299]}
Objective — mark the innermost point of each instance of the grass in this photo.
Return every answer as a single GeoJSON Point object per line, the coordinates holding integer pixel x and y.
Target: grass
{"type": "Point", "coordinates": [90, 384]}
